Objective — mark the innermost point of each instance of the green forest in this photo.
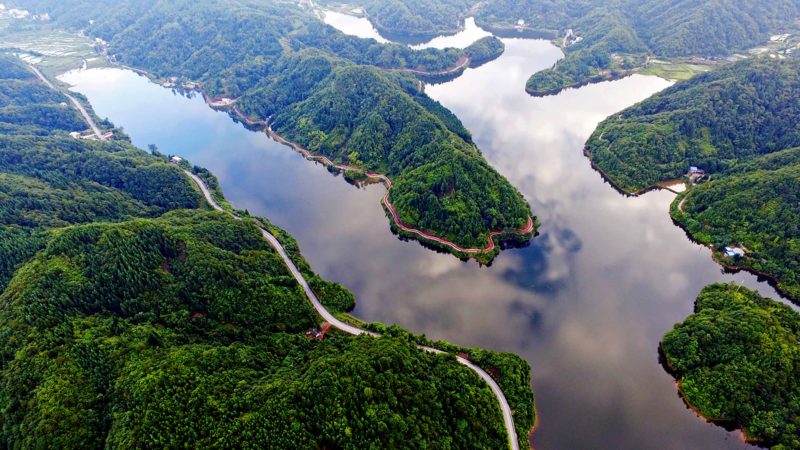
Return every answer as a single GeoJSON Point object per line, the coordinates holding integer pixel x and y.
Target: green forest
{"type": "Point", "coordinates": [738, 124]}
{"type": "Point", "coordinates": [484, 50]}
{"type": "Point", "coordinates": [380, 121]}
{"type": "Point", "coordinates": [755, 206]}
{"type": "Point", "coordinates": [353, 100]}
{"type": "Point", "coordinates": [412, 20]}
{"type": "Point", "coordinates": [188, 328]}
{"type": "Point", "coordinates": [49, 180]}
{"type": "Point", "coordinates": [737, 359]}
{"type": "Point", "coordinates": [712, 122]}
{"type": "Point", "coordinates": [616, 36]}
{"type": "Point", "coordinates": [133, 317]}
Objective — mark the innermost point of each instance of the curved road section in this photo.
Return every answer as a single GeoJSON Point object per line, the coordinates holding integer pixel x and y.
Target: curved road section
{"type": "Point", "coordinates": [75, 103]}
{"type": "Point", "coordinates": [508, 418]}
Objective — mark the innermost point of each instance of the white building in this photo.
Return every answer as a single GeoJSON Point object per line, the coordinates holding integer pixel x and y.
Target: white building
{"type": "Point", "coordinates": [732, 252]}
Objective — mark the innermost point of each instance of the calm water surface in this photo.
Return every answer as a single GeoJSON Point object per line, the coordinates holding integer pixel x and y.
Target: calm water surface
{"type": "Point", "coordinates": [355, 26]}
{"type": "Point", "coordinates": [361, 27]}
{"type": "Point", "coordinates": [586, 304]}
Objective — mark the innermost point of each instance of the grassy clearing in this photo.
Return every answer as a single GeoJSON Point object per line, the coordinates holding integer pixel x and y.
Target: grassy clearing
{"type": "Point", "coordinates": [674, 70]}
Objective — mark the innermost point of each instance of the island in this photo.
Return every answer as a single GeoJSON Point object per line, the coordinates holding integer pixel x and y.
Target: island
{"type": "Point", "coordinates": [140, 309]}
{"type": "Point", "coordinates": [737, 362]}
{"type": "Point", "coordinates": [353, 102]}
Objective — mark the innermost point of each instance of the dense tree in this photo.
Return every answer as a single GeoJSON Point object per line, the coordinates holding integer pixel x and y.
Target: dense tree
{"type": "Point", "coordinates": [756, 206]}
{"type": "Point", "coordinates": [413, 20]}
{"type": "Point", "coordinates": [737, 359]}
{"type": "Point", "coordinates": [738, 123]}
{"type": "Point", "coordinates": [353, 100]}
{"type": "Point", "coordinates": [48, 179]}
{"type": "Point", "coordinates": [484, 50]}
{"type": "Point", "coordinates": [442, 184]}
{"type": "Point", "coordinates": [711, 121]}
{"type": "Point", "coordinates": [616, 36]}
{"type": "Point", "coordinates": [188, 329]}
{"type": "Point", "coordinates": [185, 327]}
{"type": "Point", "coordinates": [633, 29]}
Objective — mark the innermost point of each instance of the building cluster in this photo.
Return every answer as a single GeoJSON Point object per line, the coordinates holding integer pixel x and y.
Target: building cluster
{"type": "Point", "coordinates": [15, 13]}
{"type": "Point", "coordinates": [571, 38]}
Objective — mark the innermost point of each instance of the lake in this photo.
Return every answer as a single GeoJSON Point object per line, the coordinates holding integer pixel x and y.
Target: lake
{"type": "Point", "coordinates": [586, 304]}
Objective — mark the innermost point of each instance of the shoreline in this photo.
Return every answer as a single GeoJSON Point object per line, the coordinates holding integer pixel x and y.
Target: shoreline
{"type": "Point", "coordinates": [592, 80]}
{"type": "Point", "coordinates": [772, 280]}
{"type": "Point", "coordinates": [483, 255]}
{"type": "Point", "coordinates": [505, 409]}
{"type": "Point", "coordinates": [461, 65]}
{"type": "Point", "coordinates": [660, 186]}
{"type": "Point", "coordinates": [488, 250]}
{"type": "Point", "coordinates": [728, 424]}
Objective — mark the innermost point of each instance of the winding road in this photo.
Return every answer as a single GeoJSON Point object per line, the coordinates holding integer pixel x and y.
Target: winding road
{"type": "Point", "coordinates": [490, 246]}
{"type": "Point", "coordinates": [75, 102]}
{"type": "Point", "coordinates": [508, 418]}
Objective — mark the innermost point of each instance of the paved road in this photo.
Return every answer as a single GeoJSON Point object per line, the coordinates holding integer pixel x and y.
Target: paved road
{"type": "Point", "coordinates": [490, 246]}
{"type": "Point", "coordinates": [75, 102]}
{"type": "Point", "coordinates": [508, 418]}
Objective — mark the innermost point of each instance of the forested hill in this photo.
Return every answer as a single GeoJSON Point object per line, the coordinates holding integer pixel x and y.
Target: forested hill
{"type": "Point", "coordinates": [382, 122]}
{"type": "Point", "coordinates": [49, 179]}
{"type": "Point", "coordinates": [189, 330]}
{"type": "Point", "coordinates": [711, 121]}
{"type": "Point", "coordinates": [755, 206]}
{"type": "Point", "coordinates": [611, 37]}
{"type": "Point", "coordinates": [740, 125]}
{"type": "Point", "coordinates": [412, 20]}
{"type": "Point", "coordinates": [737, 359]}
{"type": "Point", "coordinates": [618, 35]}
{"type": "Point", "coordinates": [329, 92]}
{"type": "Point", "coordinates": [136, 318]}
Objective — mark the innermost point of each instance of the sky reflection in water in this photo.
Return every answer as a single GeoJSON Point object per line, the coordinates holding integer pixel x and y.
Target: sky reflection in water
{"type": "Point", "coordinates": [586, 303]}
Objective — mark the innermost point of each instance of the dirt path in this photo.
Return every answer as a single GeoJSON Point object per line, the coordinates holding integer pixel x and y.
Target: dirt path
{"type": "Point", "coordinates": [682, 204]}
{"type": "Point", "coordinates": [490, 245]}
{"type": "Point", "coordinates": [508, 418]}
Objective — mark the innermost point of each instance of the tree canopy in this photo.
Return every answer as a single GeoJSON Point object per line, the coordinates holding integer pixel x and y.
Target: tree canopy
{"type": "Point", "coordinates": [353, 100]}
{"type": "Point", "coordinates": [737, 359]}
{"type": "Point", "coordinates": [712, 121]}
{"type": "Point", "coordinates": [137, 318]}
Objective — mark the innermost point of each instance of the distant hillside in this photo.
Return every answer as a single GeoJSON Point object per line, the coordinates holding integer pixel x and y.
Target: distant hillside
{"type": "Point", "coordinates": [412, 20]}
{"type": "Point", "coordinates": [610, 38]}
{"type": "Point", "coordinates": [633, 29]}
